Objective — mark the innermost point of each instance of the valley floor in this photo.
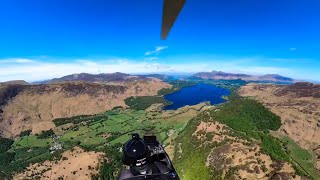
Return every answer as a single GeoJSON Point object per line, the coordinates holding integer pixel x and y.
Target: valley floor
{"type": "Point", "coordinates": [252, 136]}
{"type": "Point", "coordinates": [93, 134]}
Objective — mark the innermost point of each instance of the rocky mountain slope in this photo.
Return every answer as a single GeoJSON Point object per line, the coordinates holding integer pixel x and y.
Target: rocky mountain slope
{"type": "Point", "coordinates": [219, 75]}
{"type": "Point", "coordinates": [233, 142]}
{"type": "Point", "coordinates": [24, 107]}
{"type": "Point", "coordinates": [103, 77]}
{"type": "Point", "coordinates": [298, 105]}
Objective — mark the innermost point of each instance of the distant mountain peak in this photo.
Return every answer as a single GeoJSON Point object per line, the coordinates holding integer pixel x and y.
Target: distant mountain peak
{"type": "Point", "coordinates": [273, 75]}
{"type": "Point", "coordinates": [102, 77]}
{"type": "Point", "coordinates": [277, 77]}
{"type": "Point", "coordinates": [220, 75]}
{"type": "Point", "coordinates": [19, 82]}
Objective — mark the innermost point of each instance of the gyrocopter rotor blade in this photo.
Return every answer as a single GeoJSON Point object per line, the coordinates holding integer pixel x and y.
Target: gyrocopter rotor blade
{"type": "Point", "coordinates": [171, 10]}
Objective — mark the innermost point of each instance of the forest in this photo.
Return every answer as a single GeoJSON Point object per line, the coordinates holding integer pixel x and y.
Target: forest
{"type": "Point", "coordinates": [143, 102]}
{"type": "Point", "coordinates": [76, 119]}
{"type": "Point", "coordinates": [46, 134]}
{"type": "Point", "coordinates": [245, 114]}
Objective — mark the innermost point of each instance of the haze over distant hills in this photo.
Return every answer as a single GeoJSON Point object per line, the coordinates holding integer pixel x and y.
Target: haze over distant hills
{"type": "Point", "coordinates": [103, 77]}
{"type": "Point", "coordinates": [123, 77]}
{"type": "Point", "coordinates": [108, 77]}
{"type": "Point", "coordinates": [219, 75]}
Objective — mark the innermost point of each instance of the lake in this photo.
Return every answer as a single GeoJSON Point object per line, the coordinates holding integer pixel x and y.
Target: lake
{"type": "Point", "coordinates": [196, 94]}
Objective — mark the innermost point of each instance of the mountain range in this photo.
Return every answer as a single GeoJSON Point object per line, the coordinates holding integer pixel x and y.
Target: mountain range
{"type": "Point", "coordinates": [219, 75]}
{"type": "Point", "coordinates": [103, 77]}
{"type": "Point", "coordinates": [123, 77]}
{"type": "Point", "coordinates": [85, 109]}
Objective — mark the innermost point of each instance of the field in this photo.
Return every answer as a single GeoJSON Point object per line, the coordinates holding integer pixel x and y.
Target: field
{"type": "Point", "coordinates": [302, 157]}
{"type": "Point", "coordinates": [104, 132]}
{"type": "Point", "coordinates": [118, 125]}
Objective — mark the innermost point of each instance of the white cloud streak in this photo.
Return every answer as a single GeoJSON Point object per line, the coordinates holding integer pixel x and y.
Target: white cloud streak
{"type": "Point", "coordinates": [151, 58]}
{"type": "Point", "coordinates": [16, 61]}
{"type": "Point", "coordinates": [156, 51]}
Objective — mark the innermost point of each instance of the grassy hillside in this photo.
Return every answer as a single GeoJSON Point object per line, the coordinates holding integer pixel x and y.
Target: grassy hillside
{"type": "Point", "coordinates": [189, 155]}
{"type": "Point", "coordinates": [248, 119]}
{"type": "Point", "coordinates": [302, 158]}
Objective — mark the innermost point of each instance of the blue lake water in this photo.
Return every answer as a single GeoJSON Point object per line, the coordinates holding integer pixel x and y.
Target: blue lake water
{"type": "Point", "coordinates": [196, 94]}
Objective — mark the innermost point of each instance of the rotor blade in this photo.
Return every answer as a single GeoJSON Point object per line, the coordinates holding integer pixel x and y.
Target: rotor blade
{"type": "Point", "coordinates": [171, 10]}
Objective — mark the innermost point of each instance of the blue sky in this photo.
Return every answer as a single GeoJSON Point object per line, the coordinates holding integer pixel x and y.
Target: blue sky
{"type": "Point", "coordinates": [41, 39]}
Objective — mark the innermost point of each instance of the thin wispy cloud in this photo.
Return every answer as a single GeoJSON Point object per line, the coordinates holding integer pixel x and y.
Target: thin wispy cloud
{"type": "Point", "coordinates": [293, 49]}
{"type": "Point", "coordinates": [16, 60]}
{"type": "Point", "coordinates": [151, 58]}
{"type": "Point", "coordinates": [156, 51]}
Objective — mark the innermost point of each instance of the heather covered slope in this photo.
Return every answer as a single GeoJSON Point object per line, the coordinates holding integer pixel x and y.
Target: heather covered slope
{"type": "Point", "coordinates": [233, 142]}
{"type": "Point", "coordinates": [25, 107]}
{"type": "Point", "coordinates": [103, 77]}
{"type": "Point", "coordinates": [298, 105]}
